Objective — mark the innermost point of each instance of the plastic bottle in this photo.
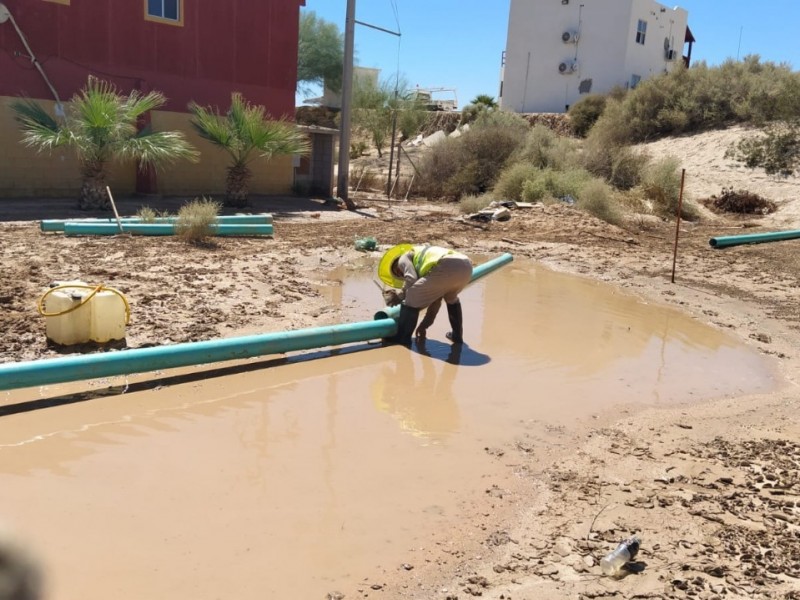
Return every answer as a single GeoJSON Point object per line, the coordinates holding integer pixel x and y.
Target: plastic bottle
{"type": "Point", "coordinates": [626, 551]}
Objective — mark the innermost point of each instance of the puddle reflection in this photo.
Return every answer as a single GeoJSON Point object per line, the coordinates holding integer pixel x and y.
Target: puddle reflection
{"type": "Point", "coordinates": [324, 470]}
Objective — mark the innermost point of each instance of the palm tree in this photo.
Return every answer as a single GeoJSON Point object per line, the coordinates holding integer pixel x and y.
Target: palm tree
{"type": "Point", "coordinates": [246, 132]}
{"type": "Point", "coordinates": [484, 100]}
{"type": "Point", "coordinates": [100, 126]}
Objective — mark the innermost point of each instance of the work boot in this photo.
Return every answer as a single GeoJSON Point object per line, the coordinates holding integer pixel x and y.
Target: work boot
{"type": "Point", "coordinates": [406, 324]}
{"type": "Point", "coordinates": [456, 323]}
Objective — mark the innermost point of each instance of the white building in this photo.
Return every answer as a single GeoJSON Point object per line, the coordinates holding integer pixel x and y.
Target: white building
{"type": "Point", "coordinates": [559, 50]}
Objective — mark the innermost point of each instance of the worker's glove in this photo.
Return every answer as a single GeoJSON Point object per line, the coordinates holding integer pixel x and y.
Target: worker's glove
{"type": "Point", "coordinates": [391, 297]}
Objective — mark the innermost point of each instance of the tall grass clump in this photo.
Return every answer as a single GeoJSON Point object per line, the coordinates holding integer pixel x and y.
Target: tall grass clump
{"type": "Point", "coordinates": [662, 187]}
{"type": "Point", "coordinates": [196, 220]}
{"type": "Point", "coordinates": [597, 198]}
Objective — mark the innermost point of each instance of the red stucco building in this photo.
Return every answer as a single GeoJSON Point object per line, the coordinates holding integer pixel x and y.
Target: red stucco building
{"type": "Point", "coordinates": [200, 50]}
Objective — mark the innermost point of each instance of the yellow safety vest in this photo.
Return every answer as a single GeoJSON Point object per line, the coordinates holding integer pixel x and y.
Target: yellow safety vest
{"type": "Point", "coordinates": [427, 257]}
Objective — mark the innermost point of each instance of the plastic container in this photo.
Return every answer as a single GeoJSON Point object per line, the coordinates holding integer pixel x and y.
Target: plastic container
{"type": "Point", "coordinates": [100, 319]}
{"type": "Point", "coordinates": [625, 552]}
{"type": "Point", "coordinates": [107, 317]}
{"type": "Point", "coordinates": [73, 327]}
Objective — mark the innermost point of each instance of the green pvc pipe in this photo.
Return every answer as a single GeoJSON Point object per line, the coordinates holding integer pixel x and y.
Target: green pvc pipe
{"type": "Point", "coordinates": [753, 238]}
{"type": "Point", "coordinates": [140, 360]}
{"type": "Point", "coordinates": [58, 224]}
{"type": "Point", "coordinates": [477, 273]}
{"type": "Point", "coordinates": [80, 228]}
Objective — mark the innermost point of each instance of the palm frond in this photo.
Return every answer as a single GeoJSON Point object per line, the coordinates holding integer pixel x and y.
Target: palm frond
{"type": "Point", "coordinates": [157, 148]}
{"type": "Point", "coordinates": [281, 137]}
{"type": "Point", "coordinates": [39, 129]}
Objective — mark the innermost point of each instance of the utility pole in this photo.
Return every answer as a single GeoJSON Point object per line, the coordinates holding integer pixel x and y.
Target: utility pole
{"type": "Point", "coordinates": [342, 181]}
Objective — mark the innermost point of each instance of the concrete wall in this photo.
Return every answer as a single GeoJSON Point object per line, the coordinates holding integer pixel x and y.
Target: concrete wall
{"type": "Point", "coordinates": [605, 53]}
{"type": "Point", "coordinates": [26, 173]}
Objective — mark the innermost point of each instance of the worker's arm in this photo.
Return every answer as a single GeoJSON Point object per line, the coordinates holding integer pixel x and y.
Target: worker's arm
{"type": "Point", "coordinates": [409, 273]}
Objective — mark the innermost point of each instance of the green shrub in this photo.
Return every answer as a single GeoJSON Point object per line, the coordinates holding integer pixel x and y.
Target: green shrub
{"type": "Point", "coordinates": [511, 181]}
{"type": "Point", "coordinates": [627, 167]}
{"type": "Point", "coordinates": [547, 183]}
{"type": "Point", "coordinates": [501, 118]}
{"type": "Point", "coordinates": [534, 190]}
{"type": "Point", "coordinates": [777, 150]}
{"type": "Point", "coordinates": [597, 198]}
{"type": "Point", "coordinates": [704, 97]}
{"type": "Point", "coordinates": [544, 148]}
{"type": "Point", "coordinates": [196, 220]}
{"type": "Point", "coordinates": [585, 112]}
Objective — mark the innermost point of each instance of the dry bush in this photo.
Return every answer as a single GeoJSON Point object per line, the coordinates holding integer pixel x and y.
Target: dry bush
{"type": "Point", "coordinates": [597, 198]}
{"type": "Point", "coordinates": [150, 215]}
{"type": "Point", "coordinates": [472, 204]}
{"type": "Point", "coordinates": [363, 179]}
{"type": "Point", "coordinates": [662, 186]}
{"type": "Point", "coordinates": [470, 164]}
{"type": "Point", "coordinates": [147, 214]}
{"type": "Point", "coordinates": [196, 220]}
{"type": "Point", "coordinates": [740, 201]}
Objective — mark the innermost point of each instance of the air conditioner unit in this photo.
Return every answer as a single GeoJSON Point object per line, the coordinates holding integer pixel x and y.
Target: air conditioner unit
{"type": "Point", "coordinates": [567, 67]}
{"type": "Point", "coordinates": [570, 37]}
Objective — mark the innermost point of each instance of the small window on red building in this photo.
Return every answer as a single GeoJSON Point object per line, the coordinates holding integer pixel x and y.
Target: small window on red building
{"type": "Point", "coordinates": [59, 1]}
{"type": "Point", "coordinates": [164, 11]}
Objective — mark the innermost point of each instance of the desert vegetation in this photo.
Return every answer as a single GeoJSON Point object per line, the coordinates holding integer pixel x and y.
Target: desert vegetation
{"type": "Point", "coordinates": [598, 169]}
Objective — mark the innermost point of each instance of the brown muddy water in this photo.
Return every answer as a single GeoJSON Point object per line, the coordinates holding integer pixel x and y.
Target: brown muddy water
{"type": "Point", "coordinates": [295, 478]}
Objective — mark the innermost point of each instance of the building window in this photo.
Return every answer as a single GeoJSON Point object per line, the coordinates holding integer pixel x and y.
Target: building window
{"type": "Point", "coordinates": [641, 31]}
{"type": "Point", "coordinates": [635, 79]}
{"type": "Point", "coordinates": [164, 11]}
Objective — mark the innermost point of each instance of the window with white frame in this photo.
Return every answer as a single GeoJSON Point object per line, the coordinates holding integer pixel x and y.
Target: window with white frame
{"type": "Point", "coordinates": [164, 10]}
{"type": "Point", "coordinates": [641, 31]}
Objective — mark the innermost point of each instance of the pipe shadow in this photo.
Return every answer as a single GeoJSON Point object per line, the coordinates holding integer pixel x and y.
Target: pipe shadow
{"type": "Point", "coordinates": [151, 384]}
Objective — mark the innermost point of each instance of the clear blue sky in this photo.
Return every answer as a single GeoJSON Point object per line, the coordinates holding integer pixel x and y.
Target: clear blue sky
{"type": "Point", "coordinates": [458, 43]}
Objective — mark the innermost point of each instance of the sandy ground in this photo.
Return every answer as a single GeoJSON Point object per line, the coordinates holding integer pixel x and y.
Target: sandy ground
{"type": "Point", "coordinates": [712, 488]}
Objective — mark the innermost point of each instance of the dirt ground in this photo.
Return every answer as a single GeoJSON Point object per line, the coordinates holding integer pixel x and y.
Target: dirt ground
{"type": "Point", "coordinates": [712, 488]}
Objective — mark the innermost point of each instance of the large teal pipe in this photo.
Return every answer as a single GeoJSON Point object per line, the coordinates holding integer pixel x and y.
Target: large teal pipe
{"type": "Point", "coordinates": [753, 238]}
{"type": "Point", "coordinates": [140, 360]}
{"type": "Point", "coordinates": [75, 228]}
{"type": "Point", "coordinates": [58, 224]}
{"type": "Point", "coordinates": [477, 272]}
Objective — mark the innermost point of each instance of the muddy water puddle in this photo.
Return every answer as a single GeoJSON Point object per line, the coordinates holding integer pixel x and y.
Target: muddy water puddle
{"type": "Point", "coordinates": [320, 474]}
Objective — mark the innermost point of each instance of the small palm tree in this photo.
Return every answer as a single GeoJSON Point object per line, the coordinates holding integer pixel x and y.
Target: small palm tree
{"type": "Point", "coordinates": [100, 126]}
{"type": "Point", "coordinates": [484, 100]}
{"type": "Point", "coordinates": [246, 132]}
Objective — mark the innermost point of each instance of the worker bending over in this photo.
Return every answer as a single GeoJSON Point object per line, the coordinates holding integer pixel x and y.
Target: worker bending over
{"type": "Point", "coordinates": [424, 275]}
